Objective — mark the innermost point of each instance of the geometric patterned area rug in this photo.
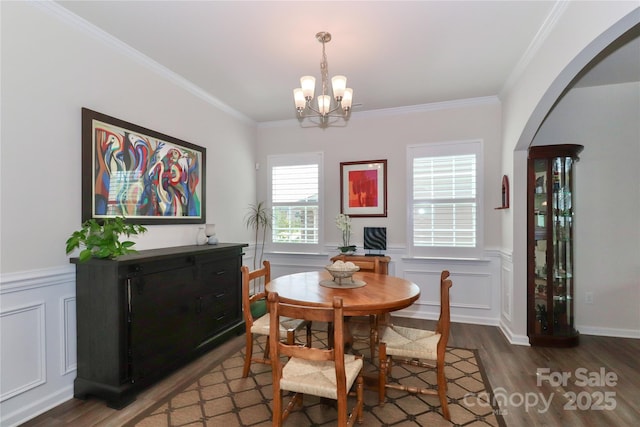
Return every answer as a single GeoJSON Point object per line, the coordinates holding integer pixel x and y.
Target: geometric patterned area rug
{"type": "Point", "coordinates": [219, 396]}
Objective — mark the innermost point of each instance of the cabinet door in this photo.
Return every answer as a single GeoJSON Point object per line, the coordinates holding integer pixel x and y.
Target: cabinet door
{"type": "Point", "coordinates": [562, 269]}
{"type": "Point", "coordinates": [219, 303]}
{"type": "Point", "coordinates": [162, 310]}
{"type": "Point", "coordinates": [541, 209]}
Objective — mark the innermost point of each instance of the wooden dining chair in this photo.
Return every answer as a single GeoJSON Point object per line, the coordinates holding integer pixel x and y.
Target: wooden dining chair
{"type": "Point", "coordinates": [365, 328]}
{"type": "Point", "coordinates": [325, 372]}
{"type": "Point", "coordinates": [418, 347]}
{"type": "Point", "coordinates": [256, 316]}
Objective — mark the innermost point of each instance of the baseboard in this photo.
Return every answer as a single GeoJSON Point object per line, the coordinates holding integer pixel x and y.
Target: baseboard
{"type": "Point", "coordinates": [411, 313]}
{"type": "Point", "coordinates": [27, 412]}
{"type": "Point", "coordinates": [608, 332]}
{"type": "Point", "coordinates": [511, 337]}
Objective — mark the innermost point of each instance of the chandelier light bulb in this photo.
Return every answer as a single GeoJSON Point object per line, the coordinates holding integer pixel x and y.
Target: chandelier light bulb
{"type": "Point", "coordinates": [339, 84]}
{"type": "Point", "coordinates": [298, 97]}
{"type": "Point", "coordinates": [346, 99]}
{"type": "Point", "coordinates": [308, 84]}
{"type": "Point", "coordinates": [324, 104]}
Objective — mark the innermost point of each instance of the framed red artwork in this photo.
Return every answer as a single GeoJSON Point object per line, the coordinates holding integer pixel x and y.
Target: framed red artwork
{"type": "Point", "coordinates": [363, 188]}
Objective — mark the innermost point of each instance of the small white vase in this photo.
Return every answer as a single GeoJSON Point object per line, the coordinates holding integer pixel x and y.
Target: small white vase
{"type": "Point", "coordinates": [201, 237]}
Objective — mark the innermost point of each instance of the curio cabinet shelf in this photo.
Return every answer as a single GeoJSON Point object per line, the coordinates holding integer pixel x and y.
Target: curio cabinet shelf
{"type": "Point", "coordinates": [550, 266]}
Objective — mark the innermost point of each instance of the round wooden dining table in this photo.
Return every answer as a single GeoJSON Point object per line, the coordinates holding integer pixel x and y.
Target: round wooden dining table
{"type": "Point", "coordinates": [380, 294]}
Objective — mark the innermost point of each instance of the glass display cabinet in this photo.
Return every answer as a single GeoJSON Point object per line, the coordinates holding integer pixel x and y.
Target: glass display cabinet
{"type": "Point", "coordinates": [550, 272]}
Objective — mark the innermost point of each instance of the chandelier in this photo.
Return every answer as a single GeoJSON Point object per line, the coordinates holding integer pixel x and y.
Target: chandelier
{"type": "Point", "coordinates": [327, 109]}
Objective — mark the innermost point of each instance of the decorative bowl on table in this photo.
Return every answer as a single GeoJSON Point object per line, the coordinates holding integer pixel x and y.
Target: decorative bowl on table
{"type": "Point", "coordinates": [341, 270]}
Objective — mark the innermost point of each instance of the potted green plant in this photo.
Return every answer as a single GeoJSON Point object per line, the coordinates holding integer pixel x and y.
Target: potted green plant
{"type": "Point", "coordinates": [258, 218]}
{"type": "Point", "coordinates": [102, 239]}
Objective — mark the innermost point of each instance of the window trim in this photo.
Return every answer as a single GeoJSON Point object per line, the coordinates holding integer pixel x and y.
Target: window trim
{"type": "Point", "coordinates": [449, 148]}
{"type": "Point", "coordinates": [276, 160]}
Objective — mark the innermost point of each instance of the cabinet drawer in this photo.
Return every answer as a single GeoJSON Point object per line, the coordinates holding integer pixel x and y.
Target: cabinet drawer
{"type": "Point", "coordinates": [218, 310]}
{"type": "Point", "coordinates": [219, 274]}
{"type": "Point", "coordinates": [158, 266]}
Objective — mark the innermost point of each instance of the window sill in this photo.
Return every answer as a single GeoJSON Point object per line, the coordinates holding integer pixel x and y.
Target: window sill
{"type": "Point", "coordinates": [454, 259]}
{"type": "Point", "coordinates": [323, 254]}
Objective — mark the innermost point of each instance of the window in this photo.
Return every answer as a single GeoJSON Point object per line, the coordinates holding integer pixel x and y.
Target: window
{"type": "Point", "coordinates": [445, 199]}
{"type": "Point", "coordinates": [295, 197]}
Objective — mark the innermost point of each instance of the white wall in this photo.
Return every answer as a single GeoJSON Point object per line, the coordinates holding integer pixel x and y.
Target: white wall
{"type": "Point", "coordinates": [50, 69]}
{"type": "Point", "coordinates": [386, 135]}
{"type": "Point", "coordinates": [52, 65]}
{"type": "Point", "coordinates": [371, 136]}
{"type": "Point", "coordinates": [607, 224]}
{"type": "Point", "coordinates": [576, 34]}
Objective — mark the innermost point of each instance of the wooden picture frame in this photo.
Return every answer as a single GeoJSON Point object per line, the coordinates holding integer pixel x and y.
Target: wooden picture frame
{"type": "Point", "coordinates": [145, 176]}
{"type": "Point", "coordinates": [363, 188]}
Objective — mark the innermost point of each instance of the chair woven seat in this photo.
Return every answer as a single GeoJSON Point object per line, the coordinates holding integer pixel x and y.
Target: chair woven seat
{"type": "Point", "coordinates": [410, 342]}
{"type": "Point", "coordinates": [261, 325]}
{"type": "Point", "coordinates": [318, 377]}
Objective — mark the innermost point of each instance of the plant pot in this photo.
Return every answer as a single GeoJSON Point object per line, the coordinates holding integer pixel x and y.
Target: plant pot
{"type": "Point", "coordinates": [347, 250]}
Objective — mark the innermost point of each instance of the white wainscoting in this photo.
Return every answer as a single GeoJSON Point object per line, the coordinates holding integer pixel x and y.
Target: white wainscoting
{"type": "Point", "coordinates": [508, 303]}
{"type": "Point", "coordinates": [37, 311]}
{"type": "Point", "coordinates": [38, 333]}
{"type": "Point", "coordinates": [475, 295]}
{"type": "Point", "coordinates": [28, 363]}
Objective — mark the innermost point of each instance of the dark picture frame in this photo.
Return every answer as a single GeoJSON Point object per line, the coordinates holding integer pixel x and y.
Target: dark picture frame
{"type": "Point", "coordinates": [146, 176]}
{"type": "Point", "coordinates": [363, 188]}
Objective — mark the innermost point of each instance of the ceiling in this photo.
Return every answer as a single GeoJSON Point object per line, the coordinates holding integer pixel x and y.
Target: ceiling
{"type": "Point", "coordinates": [250, 54]}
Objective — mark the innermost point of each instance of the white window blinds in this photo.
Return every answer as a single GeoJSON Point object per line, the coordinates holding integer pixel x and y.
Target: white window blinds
{"type": "Point", "coordinates": [445, 199]}
{"type": "Point", "coordinates": [444, 194]}
{"type": "Point", "coordinates": [295, 201]}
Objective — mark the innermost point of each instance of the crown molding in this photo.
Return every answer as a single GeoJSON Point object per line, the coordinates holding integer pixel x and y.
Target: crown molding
{"type": "Point", "coordinates": [434, 106]}
{"type": "Point", "coordinates": [114, 43]}
{"type": "Point", "coordinates": [399, 111]}
{"type": "Point", "coordinates": [534, 47]}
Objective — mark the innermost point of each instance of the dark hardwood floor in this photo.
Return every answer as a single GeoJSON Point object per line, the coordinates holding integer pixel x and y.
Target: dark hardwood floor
{"type": "Point", "coordinates": [588, 397]}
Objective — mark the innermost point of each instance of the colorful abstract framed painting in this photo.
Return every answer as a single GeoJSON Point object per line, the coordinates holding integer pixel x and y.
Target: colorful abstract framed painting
{"type": "Point", "coordinates": [363, 188]}
{"type": "Point", "coordinates": [145, 176]}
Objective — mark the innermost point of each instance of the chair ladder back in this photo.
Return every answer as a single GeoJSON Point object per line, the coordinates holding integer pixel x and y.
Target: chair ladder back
{"type": "Point", "coordinates": [367, 264]}
{"type": "Point", "coordinates": [254, 303]}
{"type": "Point", "coordinates": [376, 265]}
{"type": "Point", "coordinates": [324, 313]}
{"type": "Point", "coordinates": [370, 265]}
{"type": "Point", "coordinates": [259, 278]}
{"type": "Point", "coordinates": [422, 354]}
{"type": "Point", "coordinates": [444, 321]}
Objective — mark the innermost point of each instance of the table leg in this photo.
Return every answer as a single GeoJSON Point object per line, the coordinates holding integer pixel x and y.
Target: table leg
{"type": "Point", "coordinates": [347, 336]}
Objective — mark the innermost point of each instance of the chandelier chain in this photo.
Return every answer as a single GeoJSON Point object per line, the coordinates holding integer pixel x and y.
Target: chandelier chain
{"type": "Point", "coordinates": [324, 70]}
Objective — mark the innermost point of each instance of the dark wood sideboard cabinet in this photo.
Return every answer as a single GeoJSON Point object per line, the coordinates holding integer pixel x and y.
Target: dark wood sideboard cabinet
{"type": "Point", "coordinates": [143, 315]}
